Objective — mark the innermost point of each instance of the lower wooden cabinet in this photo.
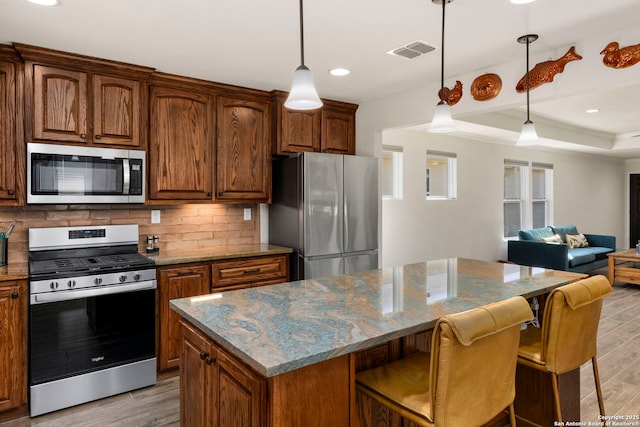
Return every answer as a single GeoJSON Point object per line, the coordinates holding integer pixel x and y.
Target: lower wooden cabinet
{"type": "Point", "coordinates": [176, 282]}
{"type": "Point", "coordinates": [13, 344]}
{"type": "Point", "coordinates": [187, 280]}
{"type": "Point", "coordinates": [215, 390]}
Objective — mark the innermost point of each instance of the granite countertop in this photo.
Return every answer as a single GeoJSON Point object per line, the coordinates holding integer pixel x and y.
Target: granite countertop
{"type": "Point", "coordinates": [280, 328]}
{"type": "Point", "coordinates": [213, 253]}
{"type": "Point", "coordinates": [14, 271]}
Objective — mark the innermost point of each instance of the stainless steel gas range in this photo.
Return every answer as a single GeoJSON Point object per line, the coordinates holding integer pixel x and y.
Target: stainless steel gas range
{"type": "Point", "coordinates": [91, 315]}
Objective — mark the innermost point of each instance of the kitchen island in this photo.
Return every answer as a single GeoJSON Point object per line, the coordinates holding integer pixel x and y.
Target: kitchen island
{"type": "Point", "coordinates": [287, 354]}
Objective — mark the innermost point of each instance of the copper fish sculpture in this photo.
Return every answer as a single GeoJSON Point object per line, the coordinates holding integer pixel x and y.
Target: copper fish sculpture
{"type": "Point", "coordinates": [451, 96]}
{"type": "Point", "coordinates": [544, 72]}
{"type": "Point", "coordinates": [617, 57]}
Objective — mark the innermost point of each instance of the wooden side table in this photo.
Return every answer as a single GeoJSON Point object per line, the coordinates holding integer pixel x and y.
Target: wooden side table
{"type": "Point", "coordinates": [627, 268]}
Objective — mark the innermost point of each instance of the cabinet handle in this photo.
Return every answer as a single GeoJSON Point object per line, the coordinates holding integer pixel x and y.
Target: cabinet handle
{"type": "Point", "coordinates": [221, 193]}
{"type": "Point", "coordinates": [98, 136]}
{"type": "Point", "coordinates": [11, 192]}
{"type": "Point", "coordinates": [209, 360]}
{"type": "Point", "coordinates": [251, 271]}
{"type": "Point", "coordinates": [185, 273]}
{"type": "Point", "coordinates": [83, 135]}
{"type": "Point", "coordinates": [209, 194]}
{"type": "Point", "coordinates": [15, 295]}
{"type": "Point", "coordinates": [204, 355]}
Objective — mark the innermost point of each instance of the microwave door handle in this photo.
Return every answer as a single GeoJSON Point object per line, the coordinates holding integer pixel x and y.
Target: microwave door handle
{"type": "Point", "coordinates": [126, 178]}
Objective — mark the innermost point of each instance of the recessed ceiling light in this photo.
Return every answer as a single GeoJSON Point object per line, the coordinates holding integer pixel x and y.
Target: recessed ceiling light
{"type": "Point", "coordinates": [592, 110]}
{"type": "Point", "coordinates": [339, 72]}
{"type": "Point", "coordinates": [521, 1]}
{"type": "Point", "coordinates": [46, 2]}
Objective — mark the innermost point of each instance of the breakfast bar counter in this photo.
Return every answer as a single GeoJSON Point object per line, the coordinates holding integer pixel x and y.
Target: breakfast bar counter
{"type": "Point", "coordinates": [303, 341]}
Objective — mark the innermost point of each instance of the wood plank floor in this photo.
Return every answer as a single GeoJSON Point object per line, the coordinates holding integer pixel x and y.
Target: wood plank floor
{"type": "Point", "coordinates": [618, 360]}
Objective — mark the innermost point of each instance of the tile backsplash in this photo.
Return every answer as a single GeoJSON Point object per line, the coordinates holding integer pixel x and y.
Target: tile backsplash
{"type": "Point", "coordinates": [180, 227]}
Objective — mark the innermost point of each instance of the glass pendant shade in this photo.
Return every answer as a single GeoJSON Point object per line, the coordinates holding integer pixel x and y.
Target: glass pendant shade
{"type": "Point", "coordinates": [442, 121]}
{"type": "Point", "coordinates": [303, 95]}
{"type": "Point", "coordinates": [528, 134]}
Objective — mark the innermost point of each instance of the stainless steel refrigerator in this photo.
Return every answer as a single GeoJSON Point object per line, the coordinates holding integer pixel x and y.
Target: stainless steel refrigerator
{"type": "Point", "coordinates": [325, 207]}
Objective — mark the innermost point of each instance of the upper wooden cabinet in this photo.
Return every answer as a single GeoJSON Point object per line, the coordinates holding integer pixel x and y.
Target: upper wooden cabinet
{"type": "Point", "coordinates": [181, 132]}
{"type": "Point", "coordinates": [330, 129]}
{"type": "Point", "coordinates": [79, 99]}
{"type": "Point", "coordinates": [11, 146]}
{"type": "Point", "coordinates": [243, 143]}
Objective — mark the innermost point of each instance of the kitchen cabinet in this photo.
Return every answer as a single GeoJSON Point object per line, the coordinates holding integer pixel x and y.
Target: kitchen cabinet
{"type": "Point", "coordinates": [180, 143]}
{"type": "Point", "coordinates": [215, 389]}
{"type": "Point", "coordinates": [249, 272]}
{"type": "Point", "coordinates": [176, 282]}
{"type": "Point", "coordinates": [330, 129]}
{"type": "Point", "coordinates": [185, 280]}
{"type": "Point", "coordinates": [13, 344]}
{"type": "Point", "coordinates": [79, 99]}
{"type": "Point", "coordinates": [11, 144]}
{"type": "Point", "coordinates": [243, 142]}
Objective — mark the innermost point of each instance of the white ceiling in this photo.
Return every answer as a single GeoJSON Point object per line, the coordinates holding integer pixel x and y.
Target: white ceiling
{"type": "Point", "coordinates": [255, 43]}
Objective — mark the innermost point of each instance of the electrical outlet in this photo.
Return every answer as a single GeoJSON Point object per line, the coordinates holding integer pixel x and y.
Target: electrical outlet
{"type": "Point", "coordinates": [247, 214]}
{"type": "Point", "coordinates": [155, 216]}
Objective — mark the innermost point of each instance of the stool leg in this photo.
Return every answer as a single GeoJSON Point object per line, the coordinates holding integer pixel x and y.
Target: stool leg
{"type": "Point", "coordinates": [596, 378]}
{"type": "Point", "coordinates": [556, 395]}
{"type": "Point", "coordinates": [512, 415]}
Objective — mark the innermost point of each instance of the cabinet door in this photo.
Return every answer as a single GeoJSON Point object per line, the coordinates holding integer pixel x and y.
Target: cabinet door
{"type": "Point", "coordinates": [181, 140]}
{"type": "Point", "coordinates": [59, 104]}
{"type": "Point", "coordinates": [8, 116]}
{"type": "Point", "coordinates": [13, 344]}
{"type": "Point", "coordinates": [296, 131]}
{"type": "Point", "coordinates": [116, 111]}
{"type": "Point", "coordinates": [242, 151]}
{"type": "Point", "coordinates": [338, 131]}
{"type": "Point", "coordinates": [176, 282]}
{"type": "Point", "coordinates": [196, 379]}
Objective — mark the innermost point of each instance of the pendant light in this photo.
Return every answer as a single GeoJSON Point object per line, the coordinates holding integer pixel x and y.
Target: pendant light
{"type": "Point", "coordinates": [442, 121]}
{"type": "Point", "coordinates": [528, 134]}
{"type": "Point", "coordinates": [303, 95]}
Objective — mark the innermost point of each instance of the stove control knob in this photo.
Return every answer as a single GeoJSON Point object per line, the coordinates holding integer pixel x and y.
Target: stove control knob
{"type": "Point", "coordinates": [123, 278]}
{"type": "Point", "coordinates": [53, 285]}
{"type": "Point", "coordinates": [71, 283]}
{"type": "Point", "coordinates": [136, 277]}
{"type": "Point", "coordinates": [97, 280]}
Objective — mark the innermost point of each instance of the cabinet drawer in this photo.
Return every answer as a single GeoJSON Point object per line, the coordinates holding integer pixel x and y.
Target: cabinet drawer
{"type": "Point", "coordinates": [250, 270]}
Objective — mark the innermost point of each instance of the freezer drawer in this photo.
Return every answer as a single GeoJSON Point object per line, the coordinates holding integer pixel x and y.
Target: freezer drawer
{"type": "Point", "coordinates": [360, 262]}
{"type": "Point", "coordinates": [314, 268]}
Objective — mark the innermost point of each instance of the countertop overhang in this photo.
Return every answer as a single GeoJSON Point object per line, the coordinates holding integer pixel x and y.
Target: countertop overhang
{"type": "Point", "coordinates": [280, 328]}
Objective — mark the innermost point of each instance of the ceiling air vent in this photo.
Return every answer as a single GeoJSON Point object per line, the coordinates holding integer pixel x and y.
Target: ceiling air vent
{"type": "Point", "coordinates": [412, 50]}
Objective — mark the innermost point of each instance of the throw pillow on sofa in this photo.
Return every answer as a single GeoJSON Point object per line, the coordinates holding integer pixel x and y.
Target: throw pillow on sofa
{"type": "Point", "coordinates": [553, 239]}
{"type": "Point", "coordinates": [576, 241]}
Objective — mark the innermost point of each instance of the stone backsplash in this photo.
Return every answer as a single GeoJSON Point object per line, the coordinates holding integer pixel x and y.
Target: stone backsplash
{"type": "Point", "coordinates": [180, 227]}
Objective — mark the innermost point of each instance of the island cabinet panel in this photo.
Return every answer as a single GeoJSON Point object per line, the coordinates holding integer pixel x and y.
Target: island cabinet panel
{"type": "Point", "coordinates": [330, 129]}
{"type": "Point", "coordinates": [180, 145]}
{"type": "Point", "coordinates": [13, 344]}
{"type": "Point", "coordinates": [248, 272]}
{"type": "Point", "coordinates": [11, 153]}
{"type": "Point", "coordinates": [116, 111]}
{"type": "Point", "coordinates": [243, 144]}
{"type": "Point", "coordinates": [215, 389]}
{"type": "Point", "coordinates": [173, 283]}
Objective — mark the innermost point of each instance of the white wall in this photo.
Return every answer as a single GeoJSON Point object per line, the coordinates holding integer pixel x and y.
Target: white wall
{"type": "Point", "coordinates": [589, 192]}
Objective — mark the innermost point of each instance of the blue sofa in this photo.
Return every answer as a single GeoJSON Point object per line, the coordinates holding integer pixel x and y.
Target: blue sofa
{"type": "Point", "coordinates": [532, 249]}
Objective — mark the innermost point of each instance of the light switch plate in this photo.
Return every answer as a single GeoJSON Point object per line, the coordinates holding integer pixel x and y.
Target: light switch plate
{"type": "Point", "coordinates": [247, 214]}
{"type": "Point", "coordinates": [155, 216]}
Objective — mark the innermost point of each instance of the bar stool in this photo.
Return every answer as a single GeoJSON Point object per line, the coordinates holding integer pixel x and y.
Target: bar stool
{"type": "Point", "coordinates": [469, 376]}
{"type": "Point", "coordinates": [567, 338]}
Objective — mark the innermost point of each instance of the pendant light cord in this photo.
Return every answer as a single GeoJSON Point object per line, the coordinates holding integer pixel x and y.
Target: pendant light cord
{"type": "Point", "coordinates": [444, 2]}
{"type": "Point", "coordinates": [301, 36]}
{"type": "Point", "coordinates": [527, 79]}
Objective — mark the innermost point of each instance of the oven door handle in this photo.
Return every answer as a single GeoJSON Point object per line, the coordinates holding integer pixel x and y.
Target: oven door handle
{"type": "Point", "coordinates": [92, 292]}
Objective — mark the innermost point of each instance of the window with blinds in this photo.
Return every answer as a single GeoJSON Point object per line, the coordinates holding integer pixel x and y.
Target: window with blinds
{"type": "Point", "coordinates": [440, 175]}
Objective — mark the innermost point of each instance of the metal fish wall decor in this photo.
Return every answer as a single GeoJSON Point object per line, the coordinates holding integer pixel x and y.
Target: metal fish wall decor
{"type": "Point", "coordinates": [486, 87]}
{"type": "Point", "coordinates": [451, 96]}
{"type": "Point", "coordinates": [620, 57]}
{"type": "Point", "coordinates": [544, 72]}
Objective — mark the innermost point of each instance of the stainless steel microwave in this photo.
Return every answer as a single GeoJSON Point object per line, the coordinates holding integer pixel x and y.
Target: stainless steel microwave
{"type": "Point", "coordinates": [64, 174]}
